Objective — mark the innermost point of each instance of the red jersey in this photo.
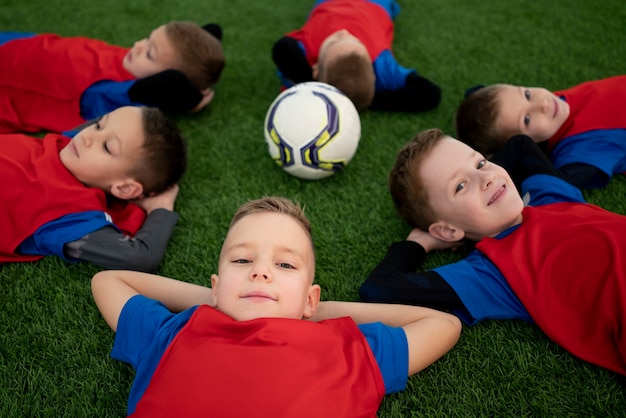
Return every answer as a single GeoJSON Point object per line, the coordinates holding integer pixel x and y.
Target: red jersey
{"type": "Point", "coordinates": [599, 104]}
{"type": "Point", "coordinates": [566, 264]}
{"type": "Point", "coordinates": [367, 21]}
{"type": "Point", "coordinates": [43, 77]}
{"type": "Point", "coordinates": [264, 367]}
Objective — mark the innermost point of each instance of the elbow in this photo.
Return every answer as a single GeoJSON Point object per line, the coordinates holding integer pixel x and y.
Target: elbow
{"type": "Point", "coordinates": [454, 327]}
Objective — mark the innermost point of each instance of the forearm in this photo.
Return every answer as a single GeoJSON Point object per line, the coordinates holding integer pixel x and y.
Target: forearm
{"type": "Point", "coordinates": [111, 249]}
{"type": "Point", "coordinates": [419, 94]}
{"type": "Point", "coordinates": [389, 314]}
{"type": "Point", "coordinates": [290, 60]}
{"type": "Point", "coordinates": [395, 280]}
{"type": "Point", "coordinates": [112, 289]}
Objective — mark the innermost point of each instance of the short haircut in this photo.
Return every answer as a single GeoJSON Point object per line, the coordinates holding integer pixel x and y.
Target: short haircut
{"type": "Point", "coordinates": [163, 160]}
{"type": "Point", "coordinates": [274, 204]}
{"type": "Point", "coordinates": [353, 74]}
{"type": "Point", "coordinates": [408, 191]}
{"type": "Point", "coordinates": [476, 119]}
{"type": "Point", "coordinates": [201, 55]}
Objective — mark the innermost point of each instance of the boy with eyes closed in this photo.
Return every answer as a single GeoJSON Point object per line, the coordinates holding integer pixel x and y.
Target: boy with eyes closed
{"type": "Point", "coordinates": [105, 196]}
{"type": "Point", "coordinates": [582, 129]}
{"type": "Point", "coordinates": [53, 83]}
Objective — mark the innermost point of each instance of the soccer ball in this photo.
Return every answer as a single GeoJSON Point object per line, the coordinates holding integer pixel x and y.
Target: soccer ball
{"type": "Point", "coordinates": [312, 130]}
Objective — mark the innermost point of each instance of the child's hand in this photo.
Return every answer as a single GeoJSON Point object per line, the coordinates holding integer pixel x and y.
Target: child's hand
{"type": "Point", "coordinates": [429, 242]}
{"type": "Point", "coordinates": [163, 200]}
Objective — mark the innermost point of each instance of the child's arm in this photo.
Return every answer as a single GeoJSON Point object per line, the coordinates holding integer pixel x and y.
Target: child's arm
{"type": "Point", "coordinates": [290, 60]}
{"type": "Point", "coordinates": [418, 95]}
{"type": "Point", "coordinates": [394, 279]}
{"type": "Point", "coordinates": [430, 333]}
{"type": "Point", "coordinates": [112, 289]}
{"type": "Point", "coordinates": [111, 249]}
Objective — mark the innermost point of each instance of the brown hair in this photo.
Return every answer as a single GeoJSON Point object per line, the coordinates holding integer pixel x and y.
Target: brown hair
{"type": "Point", "coordinates": [273, 204]}
{"type": "Point", "coordinates": [164, 153]}
{"type": "Point", "coordinates": [476, 118]}
{"type": "Point", "coordinates": [407, 188]}
{"type": "Point", "coordinates": [353, 74]}
{"type": "Point", "coordinates": [201, 55]}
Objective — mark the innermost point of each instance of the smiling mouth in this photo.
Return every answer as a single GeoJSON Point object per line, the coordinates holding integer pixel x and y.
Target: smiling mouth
{"type": "Point", "coordinates": [258, 296]}
{"type": "Point", "coordinates": [496, 195]}
{"type": "Point", "coordinates": [556, 108]}
{"type": "Point", "coordinates": [73, 148]}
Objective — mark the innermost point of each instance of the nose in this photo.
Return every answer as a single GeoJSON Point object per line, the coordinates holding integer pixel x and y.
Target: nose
{"type": "Point", "coordinates": [544, 105]}
{"type": "Point", "coordinates": [138, 44]}
{"type": "Point", "coordinates": [486, 179]}
{"type": "Point", "coordinates": [260, 272]}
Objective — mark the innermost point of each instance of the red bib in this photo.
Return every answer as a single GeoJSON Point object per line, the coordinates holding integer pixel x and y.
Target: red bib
{"type": "Point", "coordinates": [567, 266]}
{"type": "Point", "coordinates": [43, 77]}
{"type": "Point", "coordinates": [220, 367]}
{"type": "Point", "coordinates": [593, 105]}
{"type": "Point", "coordinates": [37, 188]}
{"type": "Point", "coordinates": [367, 21]}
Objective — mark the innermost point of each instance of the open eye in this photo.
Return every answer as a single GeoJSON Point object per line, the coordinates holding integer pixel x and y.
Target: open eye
{"type": "Point", "coordinates": [241, 261]}
{"type": "Point", "coordinates": [526, 120]}
{"type": "Point", "coordinates": [481, 164]}
{"type": "Point", "coordinates": [527, 94]}
{"type": "Point", "coordinates": [286, 266]}
{"type": "Point", "coordinates": [459, 187]}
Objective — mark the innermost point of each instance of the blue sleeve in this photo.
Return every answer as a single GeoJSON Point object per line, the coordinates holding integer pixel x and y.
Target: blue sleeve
{"type": "Point", "coordinates": [391, 350]}
{"type": "Point", "coordinates": [50, 238]}
{"type": "Point", "coordinates": [104, 97]}
{"type": "Point", "coordinates": [389, 74]}
{"type": "Point", "coordinates": [542, 189]}
{"type": "Point", "coordinates": [9, 36]}
{"type": "Point", "coordinates": [604, 149]}
{"type": "Point", "coordinates": [483, 290]}
{"type": "Point", "coordinates": [144, 331]}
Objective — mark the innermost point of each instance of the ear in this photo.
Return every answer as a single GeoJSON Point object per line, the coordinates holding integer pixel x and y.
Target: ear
{"type": "Point", "coordinates": [315, 71]}
{"type": "Point", "coordinates": [312, 301]}
{"type": "Point", "coordinates": [207, 96]}
{"type": "Point", "coordinates": [214, 283]}
{"type": "Point", "coordinates": [127, 189]}
{"type": "Point", "coordinates": [446, 232]}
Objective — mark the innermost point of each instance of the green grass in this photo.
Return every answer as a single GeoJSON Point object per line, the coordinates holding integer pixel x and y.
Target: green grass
{"type": "Point", "coordinates": [54, 347]}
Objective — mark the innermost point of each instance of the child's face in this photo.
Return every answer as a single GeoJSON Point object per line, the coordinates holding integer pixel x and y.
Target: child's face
{"type": "Point", "coordinates": [468, 192]}
{"type": "Point", "coordinates": [151, 55]}
{"type": "Point", "coordinates": [103, 154]}
{"type": "Point", "coordinates": [338, 44]}
{"type": "Point", "coordinates": [266, 270]}
{"type": "Point", "coordinates": [531, 111]}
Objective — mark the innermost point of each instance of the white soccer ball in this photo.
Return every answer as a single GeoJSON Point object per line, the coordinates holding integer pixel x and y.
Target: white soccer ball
{"type": "Point", "coordinates": [312, 130]}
